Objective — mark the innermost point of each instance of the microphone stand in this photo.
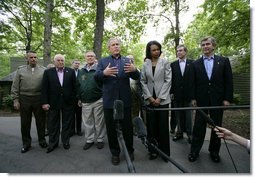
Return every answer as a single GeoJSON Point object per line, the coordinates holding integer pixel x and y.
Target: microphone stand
{"type": "Point", "coordinates": [122, 144]}
{"type": "Point", "coordinates": [149, 144]}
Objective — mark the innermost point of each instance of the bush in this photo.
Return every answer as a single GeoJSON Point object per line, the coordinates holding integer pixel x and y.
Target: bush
{"type": "Point", "coordinates": [8, 103]}
{"type": "Point", "coordinates": [237, 99]}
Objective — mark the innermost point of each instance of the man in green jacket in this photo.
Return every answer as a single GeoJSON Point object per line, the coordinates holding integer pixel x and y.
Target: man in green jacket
{"type": "Point", "coordinates": [90, 98]}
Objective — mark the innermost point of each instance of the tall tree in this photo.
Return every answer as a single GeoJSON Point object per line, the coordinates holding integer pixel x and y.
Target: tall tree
{"type": "Point", "coordinates": [48, 32]}
{"type": "Point", "coordinates": [98, 34]}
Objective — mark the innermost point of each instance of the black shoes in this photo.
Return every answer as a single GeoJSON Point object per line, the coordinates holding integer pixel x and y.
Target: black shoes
{"type": "Point", "coordinates": [115, 160]}
{"type": "Point", "coordinates": [100, 145]}
{"type": "Point", "coordinates": [177, 137]}
{"type": "Point", "coordinates": [66, 146]}
{"type": "Point", "coordinates": [193, 157]}
{"type": "Point", "coordinates": [87, 145]}
{"type": "Point", "coordinates": [215, 157]}
{"type": "Point", "coordinates": [50, 149]}
{"type": "Point", "coordinates": [43, 145]}
{"type": "Point", "coordinates": [153, 156]}
{"type": "Point", "coordinates": [25, 149]}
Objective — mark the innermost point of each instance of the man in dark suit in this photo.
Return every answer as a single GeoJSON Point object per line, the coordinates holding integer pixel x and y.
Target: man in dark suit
{"type": "Point", "coordinates": [182, 89]}
{"type": "Point", "coordinates": [58, 98]}
{"type": "Point", "coordinates": [213, 87]}
{"type": "Point", "coordinates": [76, 123]}
{"type": "Point", "coordinates": [115, 71]}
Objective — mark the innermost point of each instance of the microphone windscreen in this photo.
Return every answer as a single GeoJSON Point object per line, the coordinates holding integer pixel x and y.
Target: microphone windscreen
{"type": "Point", "coordinates": [140, 128]}
{"type": "Point", "coordinates": [118, 110]}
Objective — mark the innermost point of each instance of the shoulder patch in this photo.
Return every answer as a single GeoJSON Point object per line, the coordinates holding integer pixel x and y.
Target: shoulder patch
{"type": "Point", "coordinates": [22, 66]}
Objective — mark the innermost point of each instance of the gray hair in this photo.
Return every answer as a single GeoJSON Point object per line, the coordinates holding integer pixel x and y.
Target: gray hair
{"type": "Point", "coordinates": [212, 39]}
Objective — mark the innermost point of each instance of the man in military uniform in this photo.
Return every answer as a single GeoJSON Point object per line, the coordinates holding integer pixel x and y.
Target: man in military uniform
{"type": "Point", "coordinates": [26, 93]}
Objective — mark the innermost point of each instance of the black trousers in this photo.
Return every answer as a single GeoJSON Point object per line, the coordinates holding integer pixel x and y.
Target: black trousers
{"type": "Point", "coordinates": [158, 128]}
{"type": "Point", "coordinates": [54, 119]}
{"type": "Point", "coordinates": [199, 131]}
{"type": "Point", "coordinates": [76, 123]}
{"type": "Point", "coordinates": [29, 105]}
{"type": "Point", "coordinates": [127, 130]}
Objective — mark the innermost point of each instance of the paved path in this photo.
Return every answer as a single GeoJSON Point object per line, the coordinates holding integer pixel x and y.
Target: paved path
{"type": "Point", "coordinates": [92, 161]}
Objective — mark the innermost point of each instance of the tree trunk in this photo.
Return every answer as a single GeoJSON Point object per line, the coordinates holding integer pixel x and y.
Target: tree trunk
{"type": "Point", "coordinates": [48, 32]}
{"type": "Point", "coordinates": [177, 23]}
{"type": "Point", "coordinates": [99, 30]}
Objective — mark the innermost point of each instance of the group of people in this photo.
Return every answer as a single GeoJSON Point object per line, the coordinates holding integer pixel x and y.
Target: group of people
{"type": "Point", "coordinates": [88, 94]}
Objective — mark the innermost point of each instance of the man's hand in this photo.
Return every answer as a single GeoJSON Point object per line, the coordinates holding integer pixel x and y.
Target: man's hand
{"type": "Point", "coordinates": [46, 107]}
{"type": "Point", "coordinates": [194, 103]}
{"type": "Point", "coordinates": [226, 103]}
{"type": "Point", "coordinates": [110, 71]}
{"type": "Point", "coordinates": [129, 67]}
{"type": "Point", "coordinates": [16, 104]}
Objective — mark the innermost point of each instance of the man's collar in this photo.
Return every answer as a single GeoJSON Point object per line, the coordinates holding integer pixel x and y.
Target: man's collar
{"type": "Point", "coordinates": [208, 58]}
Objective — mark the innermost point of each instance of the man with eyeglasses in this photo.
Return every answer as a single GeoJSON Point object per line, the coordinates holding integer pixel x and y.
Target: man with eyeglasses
{"type": "Point", "coordinates": [26, 93]}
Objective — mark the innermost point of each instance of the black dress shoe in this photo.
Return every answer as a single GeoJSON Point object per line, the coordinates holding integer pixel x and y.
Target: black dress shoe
{"type": "Point", "coordinates": [66, 146]}
{"type": "Point", "coordinates": [87, 145]}
{"type": "Point", "coordinates": [177, 137]}
{"type": "Point", "coordinates": [153, 156]}
{"type": "Point", "coordinates": [50, 149]}
{"type": "Point", "coordinates": [25, 149]}
{"type": "Point", "coordinates": [100, 145]}
{"type": "Point", "coordinates": [193, 157]}
{"type": "Point", "coordinates": [215, 157]}
{"type": "Point", "coordinates": [115, 160]}
{"type": "Point", "coordinates": [164, 159]}
{"type": "Point", "coordinates": [43, 145]}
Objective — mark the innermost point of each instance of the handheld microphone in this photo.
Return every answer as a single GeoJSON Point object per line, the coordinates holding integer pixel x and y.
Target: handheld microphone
{"type": "Point", "coordinates": [118, 110]}
{"type": "Point", "coordinates": [207, 118]}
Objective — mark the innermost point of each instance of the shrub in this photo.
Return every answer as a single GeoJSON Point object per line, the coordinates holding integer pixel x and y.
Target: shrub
{"type": "Point", "coordinates": [8, 102]}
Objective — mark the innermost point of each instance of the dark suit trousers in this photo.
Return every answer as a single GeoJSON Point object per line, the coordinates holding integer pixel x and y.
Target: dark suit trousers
{"type": "Point", "coordinates": [127, 129]}
{"type": "Point", "coordinates": [55, 116]}
{"type": "Point", "coordinates": [76, 123]}
{"type": "Point", "coordinates": [199, 131]}
{"type": "Point", "coordinates": [29, 105]}
{"type": "Point", "coordinates": [183, 118]}
{"type": "Point", "coordinates": [158, 128]}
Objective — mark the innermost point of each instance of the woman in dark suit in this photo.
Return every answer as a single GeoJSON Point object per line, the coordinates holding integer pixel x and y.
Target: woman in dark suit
{"type": "Point", "coordinates": [156, 83]}
{"type": "Point", "coordinates": [58, 96]}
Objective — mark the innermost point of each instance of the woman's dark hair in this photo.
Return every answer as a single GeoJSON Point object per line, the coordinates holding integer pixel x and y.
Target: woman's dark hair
{"type": "Point", "coordinates": [148, 48]}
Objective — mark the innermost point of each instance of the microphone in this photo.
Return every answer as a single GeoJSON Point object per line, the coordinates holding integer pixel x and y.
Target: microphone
{"type": "Point", "coordinates": [140, 128]}
{"type": "Point", "coordinates": [207, 118]}
{"type": "Point", "coordinates": [118, 110]}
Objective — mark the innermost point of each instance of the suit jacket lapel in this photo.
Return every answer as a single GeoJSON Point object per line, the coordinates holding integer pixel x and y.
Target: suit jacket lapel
{"type": "Point", "coordinates": [158, 68]}
{"type": "Point", "coordinates": [216, 62]}
{"type": "Point", "coordinates": [202, 67]}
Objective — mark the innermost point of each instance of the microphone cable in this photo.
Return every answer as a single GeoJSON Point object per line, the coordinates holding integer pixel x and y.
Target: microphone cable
{"type": "Point", "coordinates": [211, 122]}
{"type": "Point", "coordinates": [230, 155]}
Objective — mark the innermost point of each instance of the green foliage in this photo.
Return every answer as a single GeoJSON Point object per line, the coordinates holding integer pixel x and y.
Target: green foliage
{"type": "Point", "coordinates": [4, 65]}
{"type": "Point", "coordinates": [237, 99]}
{"type": "Point", "coordinates": [8, 103]}
{"type": "Point", "coordinates": [229, 22]}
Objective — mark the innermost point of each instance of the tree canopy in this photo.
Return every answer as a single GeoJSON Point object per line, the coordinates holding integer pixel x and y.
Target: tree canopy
{"type": "Point", "coordinates": [74, 23]}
